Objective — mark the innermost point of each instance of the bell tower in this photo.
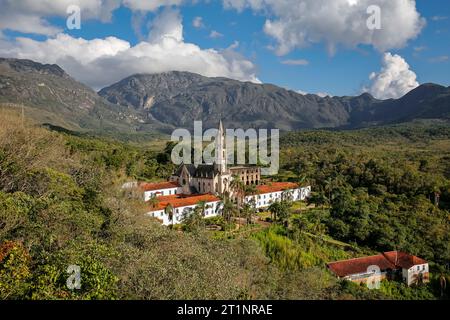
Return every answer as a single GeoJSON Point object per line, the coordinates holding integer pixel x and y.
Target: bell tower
{"type": "Point", "coordinates": [221, 150]}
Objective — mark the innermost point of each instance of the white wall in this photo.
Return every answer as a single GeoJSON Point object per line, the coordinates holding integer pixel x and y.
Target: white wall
{"type": "Point", "coordinates": [412, 274]}
{"type": "Point", "coordinates": [264, 200]}
{"type": "Point", "coordinates": [178, 213]}
{"type": "Point", "coordinates": [161, 192]}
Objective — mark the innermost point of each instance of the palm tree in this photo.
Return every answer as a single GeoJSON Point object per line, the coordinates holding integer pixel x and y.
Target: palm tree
{"type": "Point", "coordinates": [169, 211]}
{"type": "Point", "coordinates": [192, 218]}
{"type": "Point", "coordinates": [247, 211]}
{"type": "Point", "coordinates": [285, 213]}
{"type": "Point", "coordinates": [251, 191]}
{"type": "Point", "coordinates": [203, 207]}
{"type": "Point", "coordinates": [226, 207]}
{"type": "Point", "coordinates": [274, 209]}
{"type": "Point", "coordinates": [238, 187]}
{"type": "Point", "coordinates": [280, 211]}
{"type": "Point", "coordinates": [153, 201]}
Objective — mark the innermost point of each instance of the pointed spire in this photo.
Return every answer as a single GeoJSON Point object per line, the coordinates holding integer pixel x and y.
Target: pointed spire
{"type": "Point", "coordinates": [220, 126]}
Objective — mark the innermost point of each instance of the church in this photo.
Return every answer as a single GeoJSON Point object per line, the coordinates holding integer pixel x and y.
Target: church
{"type": "Point", "coordinates": [214, 178]}
{"type": "Point", "coordinates": [190, 185]}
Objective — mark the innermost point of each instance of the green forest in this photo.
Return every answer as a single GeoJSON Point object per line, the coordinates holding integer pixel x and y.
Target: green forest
{"type": "Point", "coordinates": [61, 204]}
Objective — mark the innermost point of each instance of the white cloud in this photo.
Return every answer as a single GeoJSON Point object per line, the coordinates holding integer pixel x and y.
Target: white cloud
{"type": "Point", "coordinates": [299, 23]}
{"type": "Point", "coordinates": [29, 16]}
{"type": "Point", "coordinates": [394, 80]}
{"type": "Point", "coordinates": [215, 34]}
{"type": "Point", "coordinates": [320, 94]}
{"type": "Point", "coordinates": [298, 62]}
{"type": "Point", "coordinates": [167, 25]}
{"type": "Point", "coordinates": [197, 22]}
{"type": "Point", "coordinates": [100, 62]}
{"type": "Point", "coordinates": [323, 94]}
{"type": "Point", "coordinates": [150, 5]}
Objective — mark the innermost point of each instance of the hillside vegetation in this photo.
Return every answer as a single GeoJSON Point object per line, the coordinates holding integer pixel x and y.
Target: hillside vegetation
{"type": "Point", "coordinates": [61, 204]}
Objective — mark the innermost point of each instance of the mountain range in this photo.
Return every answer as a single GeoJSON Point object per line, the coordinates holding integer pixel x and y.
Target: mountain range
{"type": "Point", "coordinates": [146, 103]}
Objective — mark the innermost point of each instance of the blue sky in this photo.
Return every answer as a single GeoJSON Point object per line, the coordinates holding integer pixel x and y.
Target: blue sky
{"type": "Point", "coordinates": [344, 72]}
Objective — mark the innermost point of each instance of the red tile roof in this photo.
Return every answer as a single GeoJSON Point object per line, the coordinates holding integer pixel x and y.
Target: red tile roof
{"type": "Point", "coordinates": [403, 259]}
{"type": "Point", "coordinates": [158, 186]}
{"type": "Point", "coordinates": [180, 200]}
{"type": "Point", "coordinates": [388, 260]}
{"type": "Point", "coordinates": [276, 187]}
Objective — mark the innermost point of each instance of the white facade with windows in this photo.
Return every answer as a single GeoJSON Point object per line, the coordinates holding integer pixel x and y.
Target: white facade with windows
{"type": "Point", "coordinates": [265, 199]}
{"type": "Point", "coordinates": [415, 274]}
{"type": "Point", "coordinates": [180, 212]}
{"type": "Point", "coordinates": [160, 192]}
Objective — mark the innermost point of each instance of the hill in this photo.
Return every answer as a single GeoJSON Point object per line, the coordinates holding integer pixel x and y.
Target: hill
{"type": "Point", "coordinates": [143, 105]}
{"type": "Point", "coordinates": [179, 98]}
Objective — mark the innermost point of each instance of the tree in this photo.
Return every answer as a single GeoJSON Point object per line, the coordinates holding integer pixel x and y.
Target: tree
{"type": "Point", "coordinates": [226, 207]}
{"type": "Point", "coordinates": [251, 191]}
{"type": "Point", "coordinates": [169, 212]}
{"type": "Point", "coordinates": [284, 212]}
{"type": "Point", "coordinates": [202, 206]}
{"type": "Point", "coordinates": [153, 201]}
{"type": "Point", "coordinates": [318, 199]}
{"type": "Point", "coordinates": [193, 218]}
{"type": "Point", "coordinates": [238, 187]}
{"type": "Point", "coordinates": [248, 210]}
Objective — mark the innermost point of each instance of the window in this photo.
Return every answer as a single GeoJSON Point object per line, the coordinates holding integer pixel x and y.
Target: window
{"type": "Point", "coordinates": [418, 268]}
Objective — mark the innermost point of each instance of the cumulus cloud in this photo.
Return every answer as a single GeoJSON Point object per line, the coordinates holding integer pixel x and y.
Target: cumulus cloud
{"type": "Point", "coordinates": [167, 25]}
{"type": "Point", "coordinates": [299, 23]}
{"type": "Point", "coordinates": [394, 80]}
{"type": "Point", "coordinates": [100, 62]}
{"type": "Point", "coordinates": [29, 16]}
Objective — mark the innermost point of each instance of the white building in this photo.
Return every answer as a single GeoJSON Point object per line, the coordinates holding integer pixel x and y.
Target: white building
{"type": "Point", "coordinates": [384, 266]}
{"type": "Point", "coordinates": [159, 189]}
{"type": "Point", "coordinates": [276, 191]}
{"type": "Point", "coordinates": [183, 205]}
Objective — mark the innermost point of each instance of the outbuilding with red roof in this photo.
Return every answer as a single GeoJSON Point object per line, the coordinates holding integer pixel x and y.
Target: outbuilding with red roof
{"type": "Point", "coordinates": [387, 265]}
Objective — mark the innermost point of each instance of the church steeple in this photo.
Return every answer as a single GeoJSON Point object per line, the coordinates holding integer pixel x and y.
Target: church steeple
{"type": "Point", "coordinates": [221, 150]}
